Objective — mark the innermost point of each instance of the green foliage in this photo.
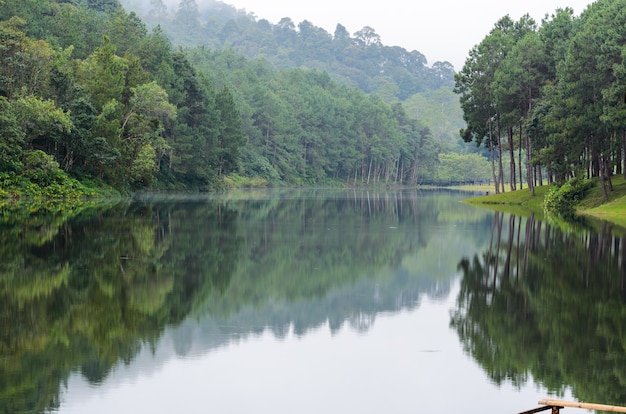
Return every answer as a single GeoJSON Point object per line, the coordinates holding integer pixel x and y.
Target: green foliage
{"type": "Point", "coordinates": [11, 138]}
{"type": "Point", "coordinates": [440, 110]}
{"type": "Point", "coordinates": [235, 181]}
{"type": "Point", "coordinates": [561, 200]}
{"type": "Point", "coordinates": [25, 61]}
{"type": "Point", "coordinates": [44, 184]}
{"type": "Point", "coordinates": [554, 93]}
{"type": "Point", "coordinates": [103, 74]}
{"type": "Point", "coordinates": [467, 168]}
{"type": "Point", "coordinates": [130, 111]}
{"type": "Point", "coordinates": [351, 60]}
{"type": "Point", "coordinates": [111, 110]}
{"type": "Point", "coordinates": [309, 129]}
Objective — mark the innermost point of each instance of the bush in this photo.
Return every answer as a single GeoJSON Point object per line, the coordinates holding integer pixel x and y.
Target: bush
{"type": "Point", "coordinates": [236, 181]}
{"type": "Point", "coordinates": [41, 169]}
{"type": "Point", "coordinates": [561, 200]}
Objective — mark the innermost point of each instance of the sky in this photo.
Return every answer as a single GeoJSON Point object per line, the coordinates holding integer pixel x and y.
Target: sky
{"type": "Point", "coordinates": [442, 30]}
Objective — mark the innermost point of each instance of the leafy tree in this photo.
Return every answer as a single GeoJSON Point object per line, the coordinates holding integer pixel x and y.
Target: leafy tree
{"type": "Point", "coordinates": [465, 168]}
{"type": "Point", "coordinates": [26, 62]}
{"type": "Point", "coordinates": [517, 86]}
{"type": "Point", "coordinates": [187, 16]}
{"type": "Point", "coordinates": [231, 137]}
{"type": "Point", "coordinates": [585, 78]}
{"type": "Point", "coordinates": [367, 36]}
{"type": "Point", "coordinates": [157, 12]}
{"type": "Point", "coordinates": [143, 145]}
{"type": "Point", "coordinates": [474, 84]}
{"type": "Point", "coordinates": [103, 74]}
{"type": "Point", "coordinates": [126, 31]}
{"type": "Point", "coordinates": [107, 6]}
{"type": "Point", "coordinates": [12, 137]}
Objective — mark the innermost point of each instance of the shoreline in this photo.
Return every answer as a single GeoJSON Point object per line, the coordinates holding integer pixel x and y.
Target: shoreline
{"type": "Point", "coordinates": [592, 206]}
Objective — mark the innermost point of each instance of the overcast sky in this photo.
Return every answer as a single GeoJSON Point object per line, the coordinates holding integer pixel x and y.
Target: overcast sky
{"type": "Point", "coordinates": [440, 29]}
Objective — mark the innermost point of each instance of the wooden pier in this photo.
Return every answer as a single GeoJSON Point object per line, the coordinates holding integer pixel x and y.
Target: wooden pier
{"type": "Point", "coordinates": [557, 405]}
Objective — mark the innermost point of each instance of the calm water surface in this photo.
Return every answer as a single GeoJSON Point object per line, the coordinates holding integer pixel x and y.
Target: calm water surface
{"type": "Point", "coordinates": [308, 302]}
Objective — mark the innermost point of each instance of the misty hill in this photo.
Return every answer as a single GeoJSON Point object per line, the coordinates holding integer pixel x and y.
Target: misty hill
{"type": "Point", "coordinates": [358, 60]}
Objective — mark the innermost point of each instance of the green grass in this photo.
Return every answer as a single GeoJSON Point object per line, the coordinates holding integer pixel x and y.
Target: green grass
{"type": "Point", "coordinates": [614, 210]}
{"type": "Point", "coordinates": [521, 202]}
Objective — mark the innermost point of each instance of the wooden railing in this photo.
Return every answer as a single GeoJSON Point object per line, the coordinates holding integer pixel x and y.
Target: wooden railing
{"type": "Point", "coordinates": [557, 405]}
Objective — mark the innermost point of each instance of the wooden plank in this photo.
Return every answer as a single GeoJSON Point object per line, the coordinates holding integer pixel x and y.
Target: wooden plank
{"type": "Point", "coordinates": [537, 410]}
{"type": "Point", "coordinates": [586, 406]}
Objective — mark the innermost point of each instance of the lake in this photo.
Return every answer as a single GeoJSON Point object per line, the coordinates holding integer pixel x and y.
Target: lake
{"type": "Point", "coordinates": [307, 301]}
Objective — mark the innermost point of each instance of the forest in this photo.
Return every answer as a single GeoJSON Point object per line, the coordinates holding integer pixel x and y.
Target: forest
{"type": "Point", "coordinates": [91, 98]}
{"type": "Point", "coordinates": [551, 96]}
{"type": "Point", "coordinates": [96, 97]}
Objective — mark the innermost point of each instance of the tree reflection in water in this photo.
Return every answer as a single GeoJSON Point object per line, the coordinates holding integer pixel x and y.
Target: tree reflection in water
{"type": "Point", "coordinates": [548, 305]}
{"type": "Point", "coordinates": [84, 293]}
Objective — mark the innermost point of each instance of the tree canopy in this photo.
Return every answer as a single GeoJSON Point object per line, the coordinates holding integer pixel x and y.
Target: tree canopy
{"type": "Point", "coordinates": [553, 93]}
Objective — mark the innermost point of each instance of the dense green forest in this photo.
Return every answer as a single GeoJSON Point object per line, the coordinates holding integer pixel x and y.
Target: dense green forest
{"type": "Point", "coordinates": [550, 95]}
{"type": "Point", "coordinates": [91, 98]}
{"type": "Point", "coordinates": [358, 60]}
{"type": "Point", "coordinates": [87, 92]}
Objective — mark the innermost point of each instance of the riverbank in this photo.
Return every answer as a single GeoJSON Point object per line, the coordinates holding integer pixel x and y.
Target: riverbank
{"type": "Point", "coordinates": [593, 205]}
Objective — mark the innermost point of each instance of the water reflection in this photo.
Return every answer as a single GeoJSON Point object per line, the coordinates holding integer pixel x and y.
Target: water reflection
{"type": "Point", "coordinates": [85, 292]}
{"type": "Point", "coordinates": [549, 305]}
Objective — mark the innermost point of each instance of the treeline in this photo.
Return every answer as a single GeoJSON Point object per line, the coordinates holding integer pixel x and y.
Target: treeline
{"type": "Point", "coordinates": [550, 95]}
{"type": "Point", "coordinates": [88, 92]}
{"type": "Point", "coordinates": [360, 59]}
{"type": "Point", "coordinates": [304, 128]}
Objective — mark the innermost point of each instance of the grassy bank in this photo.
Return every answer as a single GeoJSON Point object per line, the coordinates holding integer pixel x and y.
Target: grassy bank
{"type": "Point", "coordinates": [593, 205]}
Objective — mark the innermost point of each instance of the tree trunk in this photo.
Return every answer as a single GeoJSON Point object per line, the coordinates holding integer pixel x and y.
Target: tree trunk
{"type": "Point", "coordinates": [604, 191]}
{"type": "Point", "coordinates": [512, 161]}
{"type": "Point", "coordinates": [624, 153]}
{"type": "Point", "coordinates": [521, 178]}
{"type": "Point", "coordinates": [529, 168]}
{"type": "Point", "coordinates": [617, 154]}
{"type": "Point", "coordinates": [493, 158]}
{"type": "Point", "coordinates": [500, 169]}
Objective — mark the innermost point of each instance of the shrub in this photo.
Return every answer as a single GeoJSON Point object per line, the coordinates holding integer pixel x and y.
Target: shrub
{"type": "Point", "coordinates": [561, 200]}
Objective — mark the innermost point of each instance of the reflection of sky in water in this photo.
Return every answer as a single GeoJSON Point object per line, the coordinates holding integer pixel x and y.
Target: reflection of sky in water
{"type": "Point", "coordinates": [406, 362]}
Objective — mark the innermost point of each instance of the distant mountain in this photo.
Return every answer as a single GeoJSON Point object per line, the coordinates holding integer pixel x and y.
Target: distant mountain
{"type": "Point", "coordinates": [358, 59]}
